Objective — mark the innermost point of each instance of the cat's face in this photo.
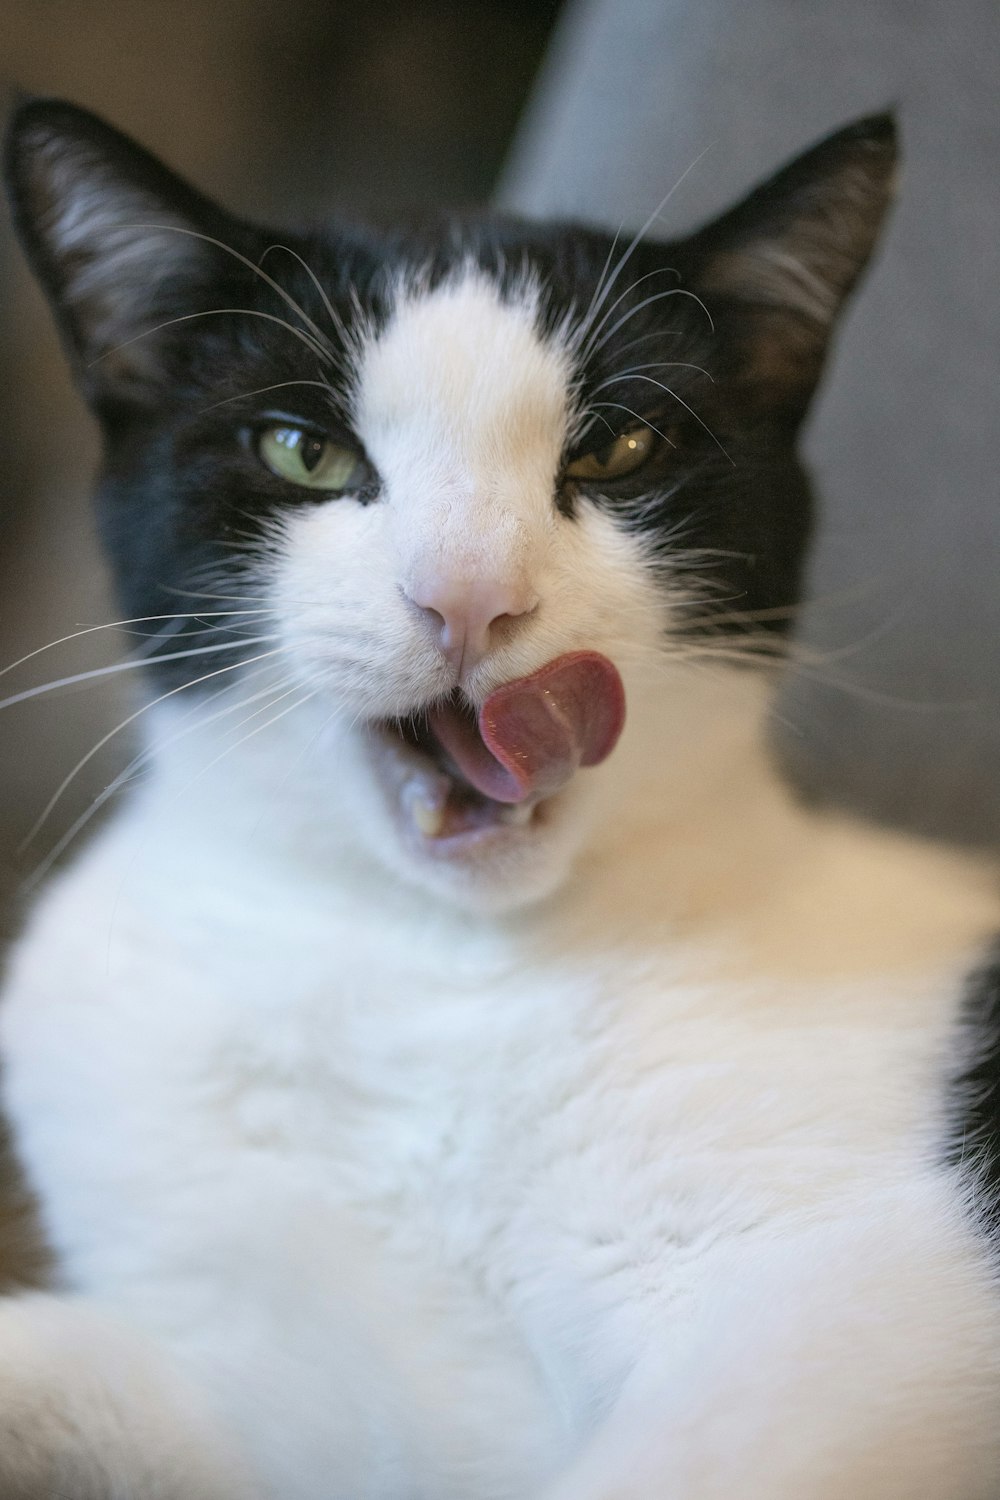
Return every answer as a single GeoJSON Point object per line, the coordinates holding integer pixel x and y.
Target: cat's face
{"type": "Point", "coordinates": [458, 497]}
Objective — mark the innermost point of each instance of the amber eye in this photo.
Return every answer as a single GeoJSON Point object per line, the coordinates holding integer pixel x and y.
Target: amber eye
{"type": "Point", "coordinates": [627, 453]}
{"type": "Point", "coordinates": [309, 461]}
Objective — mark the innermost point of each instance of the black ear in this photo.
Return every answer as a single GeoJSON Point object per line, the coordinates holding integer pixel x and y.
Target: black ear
{"type": "Point", "coordinates": [114, 238]}
{"type": "Point", "coordinates": [781, 263]}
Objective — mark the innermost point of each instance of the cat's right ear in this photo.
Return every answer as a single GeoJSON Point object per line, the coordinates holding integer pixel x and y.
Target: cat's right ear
{"type": "Point", "coordinates": [782, 263]}
{"type": "Point", "coordinates": [119, 243]}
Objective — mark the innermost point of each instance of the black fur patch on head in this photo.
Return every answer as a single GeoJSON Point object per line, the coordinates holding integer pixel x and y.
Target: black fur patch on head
{"type": "Point", "coordinates": [189, 330]}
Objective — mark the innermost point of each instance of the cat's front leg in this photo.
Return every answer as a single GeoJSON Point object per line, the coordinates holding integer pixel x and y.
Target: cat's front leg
{"type": "Point", "coordinates": [851, 1360]}
{"type": "Point", "coordinates": [88, 1411]}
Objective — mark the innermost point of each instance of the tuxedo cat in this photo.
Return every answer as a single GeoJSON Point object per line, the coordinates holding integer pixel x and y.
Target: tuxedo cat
{"type": "Point", "coordinates": [461, 1069]}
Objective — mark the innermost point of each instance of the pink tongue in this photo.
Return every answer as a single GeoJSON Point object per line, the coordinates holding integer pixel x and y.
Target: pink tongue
{"type": "Point", "coordinates": [535, 732]}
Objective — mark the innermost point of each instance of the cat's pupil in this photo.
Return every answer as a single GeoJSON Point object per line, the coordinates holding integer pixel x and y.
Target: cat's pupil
{"type": "Point", "coordinates": [311, 450]}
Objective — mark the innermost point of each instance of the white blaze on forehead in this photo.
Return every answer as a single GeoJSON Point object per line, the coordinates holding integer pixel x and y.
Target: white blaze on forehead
{"type": "Point", "coordinates": [461, 387]}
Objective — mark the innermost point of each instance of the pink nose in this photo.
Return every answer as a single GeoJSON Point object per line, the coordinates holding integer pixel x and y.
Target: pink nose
{"type": "Point", "coordinates": [468, 615]}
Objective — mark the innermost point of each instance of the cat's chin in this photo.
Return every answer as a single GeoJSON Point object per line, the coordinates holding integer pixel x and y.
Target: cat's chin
{"type": "Point", "coordinates": [478, 852]}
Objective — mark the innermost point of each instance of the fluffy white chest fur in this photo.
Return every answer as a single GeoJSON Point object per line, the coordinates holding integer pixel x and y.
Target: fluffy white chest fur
{"type": "Point", "coordinates": [462, 1071]}
{"type": "Point", "coordinates": [417, 1201]}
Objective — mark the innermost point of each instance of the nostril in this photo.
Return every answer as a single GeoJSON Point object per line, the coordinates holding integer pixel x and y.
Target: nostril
{"type": "Point", "coordinates": [468, 615]}
{"type": "Point", "coordinates": [435, 616]}
{"type": "Point", "coordinates": [512, 618]}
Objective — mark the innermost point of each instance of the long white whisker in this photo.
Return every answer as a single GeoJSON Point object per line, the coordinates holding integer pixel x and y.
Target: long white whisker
{"type": "Point", "coordinates": [263, 390]}
{"type": "Point", "coordinates": [674, 291]}
{"type": "Point", "coordinates": [204, 594]}
{"type": "Point", "coordinates": [187, 787]}
{"type": "Point", "coordinates": [619, 407]}
{"type": "Point", "coordinates": [122, 779]}
{"type": "Point", "coordinates": [591, 312]}
{"type": "Point", "coordinates": [259, 730]}
{"type": "Point", "coordinates": [321, 341]}
{"type": "Point", "coordinates": [674, 396]}
{"type": "Point", "coordinates": [641, 233]}
{"type": "Point", "coordinates": [217, 312]}
{"type": "Point", "coordinates": [332, 314]}
{"type": "Point", "coordinates": [120, 625]}
{"type": "Point", "coordinates": [195, 711]}
{"type": "Point", "coordinates": [131, 718]}
{"type": "Point", "coordinates": [656, 364]}
{"type": "Point", "coordinates": [128, 666]}
{"type": "Point", "coordinates": [609, 310]}
{"type": "Point", "coordinates": [816, 672]}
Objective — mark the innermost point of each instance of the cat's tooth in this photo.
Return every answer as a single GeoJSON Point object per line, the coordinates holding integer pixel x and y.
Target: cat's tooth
{"type": "Point", "coordinates": [425, 808]}
{"type": "Point", "coordinates": [517, 814]}
{"type": "Point", "coordinates": [429, 820]}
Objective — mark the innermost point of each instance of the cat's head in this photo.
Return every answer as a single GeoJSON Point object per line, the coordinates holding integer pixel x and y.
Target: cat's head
{"type": "Point", "coordinates": [460, 499]}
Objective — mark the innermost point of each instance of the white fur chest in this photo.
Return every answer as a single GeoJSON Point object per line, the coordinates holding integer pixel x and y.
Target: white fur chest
{"type": "Point", "coordinates": [460, 1175]}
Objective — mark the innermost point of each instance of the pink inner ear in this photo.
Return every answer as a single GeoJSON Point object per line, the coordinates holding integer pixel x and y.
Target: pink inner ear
{"type": "Point", "coordinates": [535, 733]}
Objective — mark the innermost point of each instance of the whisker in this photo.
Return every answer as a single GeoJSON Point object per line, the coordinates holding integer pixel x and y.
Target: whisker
{"type": "Point", "coordinates": [680, 400]}
{"type": "Point", "coordinates": [644, 338]}
{"type": "Point", "coordinates": [674, 291]}
{"type": "Point", "coordinates": [741, 617]}
{"type": "Point", "coordinates": [119, 625]}
{"type": "Point", "coordinates": [305, 698]}
{"type": "Point", "coordinates": [130, 719]}
{"type": "Point", "coordinates": [608, 311]}
{"type": "Point", "coordinates": [305, 750]}
{"type": "Point", "coordinates": [127, 774]}
{"type": "Point", "coordinates": [619, 407]}
{"type": "Point", "coordinates": [656, 364]}
{"type": "Point", "coordinates": [203, 594]}
{"type": "Point", "coordinates": [803, 662]}
{"type": "Point", "coordinates": [186, 788]}
{"type": "Point", "coordinates": [339, 326]}
{"type": "Point", "coordinates": [204, 628]}
{"type": "Point", "coordinates": [640, 234]}
{"type": "Point", "coordinates": [217, 312]}
{"type": "Point", "coordinates": [263, 390]}
{"type": "Point", "coordinates": [592, 311]}
{"type": "Point", "coordinates": [322, 344]}
{"type": "Point", "coordinates": [126, 666]}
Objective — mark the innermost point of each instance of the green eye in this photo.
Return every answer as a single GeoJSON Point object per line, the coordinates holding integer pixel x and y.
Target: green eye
{"type": "Point", "coordinates": [628, 452]}
{"type": "Point", "coordinates": [310, 461]}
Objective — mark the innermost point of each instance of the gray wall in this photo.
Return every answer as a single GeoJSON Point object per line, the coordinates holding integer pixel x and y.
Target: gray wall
{"type": "Point", "coordinates": [900, 710]}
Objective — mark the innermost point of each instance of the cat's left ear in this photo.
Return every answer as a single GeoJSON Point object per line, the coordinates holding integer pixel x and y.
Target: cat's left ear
{"type": "Point", "coordinates": [119, 243]}
{"type": "Point", "coordinates": [777, 268]}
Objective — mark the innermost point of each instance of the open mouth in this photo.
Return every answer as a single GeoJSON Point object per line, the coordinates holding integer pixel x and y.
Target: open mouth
{"type": "Point", "coordinates": [438, 798]}
{"type": "Point", "coordinates": [463, 774]}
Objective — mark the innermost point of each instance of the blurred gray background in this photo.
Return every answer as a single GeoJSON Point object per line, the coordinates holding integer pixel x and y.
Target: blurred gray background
{"type": "Point", "coordinates": [304, 107]}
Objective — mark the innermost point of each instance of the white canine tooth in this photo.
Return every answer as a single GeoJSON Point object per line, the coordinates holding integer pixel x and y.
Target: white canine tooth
{"type": "Point", "coordinates": [429, 819]}
{"type": "Point", "coordinates": [517, 814]}
{"type": "Point", "coordinates": [426, 810]}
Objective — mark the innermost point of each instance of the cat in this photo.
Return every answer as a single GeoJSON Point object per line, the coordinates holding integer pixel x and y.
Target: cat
{"type": "Point", "coordinates": [462, 1069]}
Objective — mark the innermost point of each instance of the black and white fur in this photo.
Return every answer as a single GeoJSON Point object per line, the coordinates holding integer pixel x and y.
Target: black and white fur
{"type": "Point", "coordinates": [614, 1149]}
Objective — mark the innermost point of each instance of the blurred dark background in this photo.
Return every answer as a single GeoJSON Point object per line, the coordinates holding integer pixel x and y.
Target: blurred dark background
{"type": "Point", "coordinates": [285, 109]}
